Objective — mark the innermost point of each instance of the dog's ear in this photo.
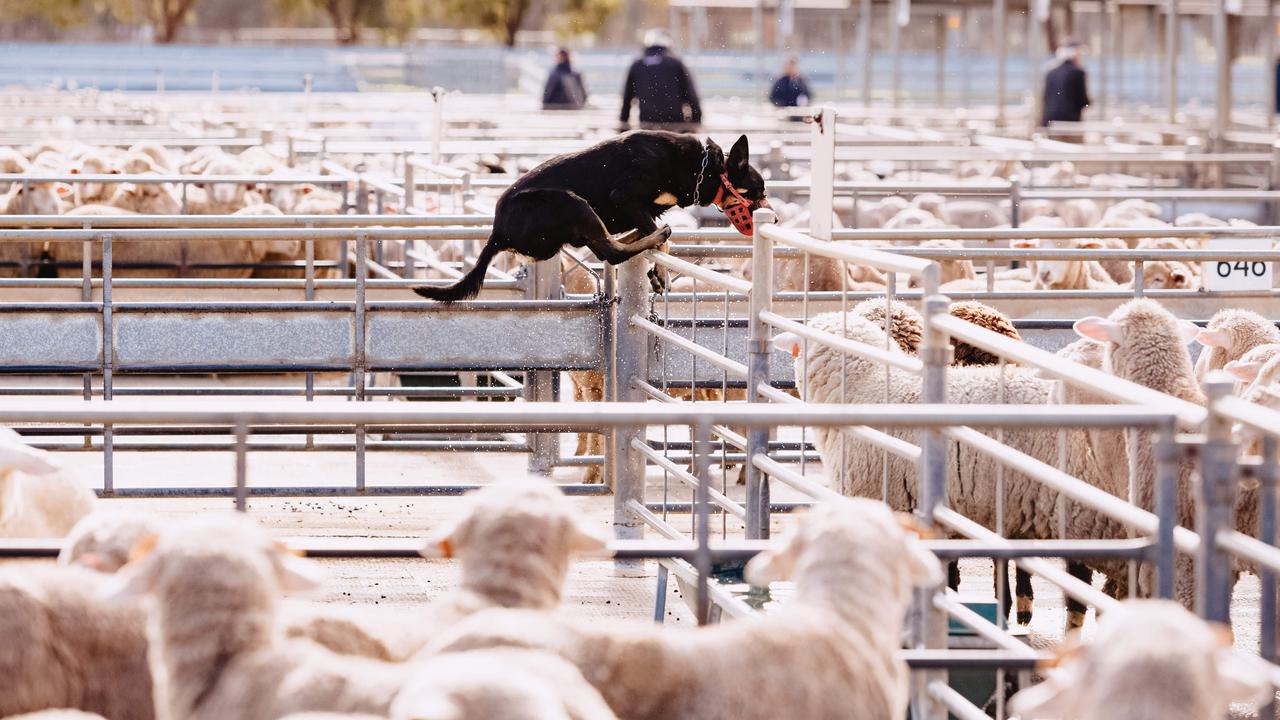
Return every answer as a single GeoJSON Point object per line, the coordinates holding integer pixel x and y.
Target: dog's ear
{"type": "Point", "coordinates": [739, 155]}
{"type": "Point", "coordinates": [715, 154]}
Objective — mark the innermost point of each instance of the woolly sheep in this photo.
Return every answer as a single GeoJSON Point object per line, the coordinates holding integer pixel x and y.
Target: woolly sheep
{"type": "Point", "coordinates": [37, 499]}
{"type": "Point", "coordinates": [1078, 212]}
{"type": "Point", "coordinates": [1248, 369]}
{"type": "Point", "coordinates": [64, 648]}
{"type": "Point", "coordinates": [975, 214]}
{"type": "Point", "coordinates": [1198, 219]}
{"type": "Point", "coordinates": [931, 203]}
{"type": "Point", "coordinates": [214, 586]}
{"type": "Point", "coordinates": [1150, 660]}
{"type": "Point", "coordinates": [837, 639]}
{"type": "Point", "coordinates": [913, 218]}
{"type": "Point", "coordinates": [971, 475]}
{"type": "Point", "coordinates": [56, 715]}
{"type": "Point", "coordinates": [158, 153]}
{"type": "Point", "coordinates": [1144, 343]}
{"type": "Point", "coordinates": [950, 270]}
{"type": "Point", "coordinates": [147, 198]}
{"type": "Point", "coordinates": [35, 199]}
{"type": "Point", "coordinates": [94, 192]}
{"type": "Point", "coordinates": [1230, 334]}
{"type": "Point", "coordinates": [311, 200]}
{"type": "Point", "coordinates": [514, 545]}
{"type": "Point", "coordinates": [498, 684]}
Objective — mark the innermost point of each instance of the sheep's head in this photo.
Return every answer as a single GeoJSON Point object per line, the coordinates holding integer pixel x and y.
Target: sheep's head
{"type": "Point", "coordinates": [226, 193]}
{"type": "Point", "coordinates": [1229, 335]}
{"type": "Point", "coordinates": [150, 198]}
{"type": "Point", "coordinates": [1140, 337]}
{"type": "Point", "coordinates": [227, 559]}
{"type": "Point", "coordinates": [37, 198]}
{"type": "Point", "coordinates": [104, 540]}
{"type": "Point", "coordinates": [849, 542]}
{"type": "Point", "coordinates": [516, 541]}
{"type": "Point", "coordinates": [1167, 275]}
{"type": "Point", "coordinates": [847, 325]}
{"type": "Point", "coordinates": [1257, 365]}
{"type": "Point", "coordinates": [906, 326]}
{"type": "Point", "coordinates": [1148, 658]}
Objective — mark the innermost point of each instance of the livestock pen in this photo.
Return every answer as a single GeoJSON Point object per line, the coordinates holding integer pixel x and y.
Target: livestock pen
{"type": "Point", "coordinates": [693, 348]}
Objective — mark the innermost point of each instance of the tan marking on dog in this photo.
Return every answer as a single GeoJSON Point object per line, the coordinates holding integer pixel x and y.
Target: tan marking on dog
{"type": "Point", "coordinates": [665, 198]}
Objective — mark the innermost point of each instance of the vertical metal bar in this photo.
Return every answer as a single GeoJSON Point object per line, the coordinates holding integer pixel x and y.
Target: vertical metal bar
{"type": "Point", "coordinates": [1269, 63]}
{"type": "Point", "coordinates": [1222, 60]}
{"type": "Point", "coordinates": [1171, 59]}
{"type": "Point", "coordinates": [759, 351]}
{"type": "Point", "coordinates": [86, 295]}
{"type": "Point", "coordinates": [1267, 533]}
{"type": "Point", "coordinates": [1167, 455]}
{"type": "Point", "coordinates": [1104, 25]}
{"type": "Point", "coordinates": [631, 359]}
{"type": "Point", "coordinates": [864, 48]}
{"type": "Point", "coordinates": [409, 184]}
{"type": "Point", "coordinates": [1117, 44]}
{"type": "Point", "coordinates": [242, 478]}
{"type": "Point", "coordinates": [702, 449]}
{"type": "Point", "coordinates": [935, 353]}
{"type": "Point", "coordinates": [1217, 503]}
{"type": "Point", "coordinates": [660, 597]}
{"type": "Point", "coordinates": [941, 36]}
{"type": "Point", "coordinates": [895, 52]}
{"type": "Point", "coordinates": [359, 365]}
{"type": "Point", "coordinates": [108, 367]}
{"type": "Point", "coordinates": [437, 125]}
{"type": "Point", "coordinates": [822, 173]}
{"type": "Point", "coordinates": [1001, 11]}
{"type": "Point", "coordinates": [543, 281]}
{"type": "Point", "coordinates": [609, 318]}
{"type": "Point", "coordinates": [757, 33]}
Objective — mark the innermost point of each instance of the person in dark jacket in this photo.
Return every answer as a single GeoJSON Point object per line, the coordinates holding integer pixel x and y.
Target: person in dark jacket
{"type": "Point", "coordinates": [1065, 96]}
{"type": "Point", "coordinates": [565, 89]}
{"type": "Point", "coordinates": [790, 90]}
{"type": "Point", "coordinates": [663, 87]}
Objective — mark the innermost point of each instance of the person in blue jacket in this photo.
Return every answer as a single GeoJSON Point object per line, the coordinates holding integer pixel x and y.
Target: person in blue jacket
{"type": "Point", "coordinates": [663, 87]}
{"type": "Point", "coordinates": [791, 89]}
{"type": "Point", "coordinates": [565, 89]}
{"type": "Point", "coordinates": [1065, 93]}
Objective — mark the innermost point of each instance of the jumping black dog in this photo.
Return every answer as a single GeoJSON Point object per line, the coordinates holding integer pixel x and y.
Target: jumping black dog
{"type": "Point", "coordinates": [608, 198]}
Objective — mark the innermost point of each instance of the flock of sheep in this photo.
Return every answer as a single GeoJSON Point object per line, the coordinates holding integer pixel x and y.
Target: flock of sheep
{"type": "Point", "coordinates": [273, 196]}
{"type": "Point", "coordinates": [144, 617]}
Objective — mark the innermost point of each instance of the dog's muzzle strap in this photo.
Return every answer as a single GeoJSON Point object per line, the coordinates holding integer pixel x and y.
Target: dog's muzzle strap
{"type": "Point", "coordinates": [738, 211]}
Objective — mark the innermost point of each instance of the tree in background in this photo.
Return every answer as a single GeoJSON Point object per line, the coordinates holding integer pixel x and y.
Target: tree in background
{"type": "Point", "coordinates": [504, 18]}
{"type": "Point", "coordinates": [164, 16]}
{"type": "Point", "coordinates": [348, 17]}
{"type": "Point", "coordinates": [60, 13]}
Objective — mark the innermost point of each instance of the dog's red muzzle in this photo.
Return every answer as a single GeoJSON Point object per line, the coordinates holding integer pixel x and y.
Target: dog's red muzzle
{"type": "Point", "coordinates": [737, 208]}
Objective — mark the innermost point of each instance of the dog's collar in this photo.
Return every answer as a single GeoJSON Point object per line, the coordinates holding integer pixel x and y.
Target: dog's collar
{"type": "Point", "coordinates": [702, 176]}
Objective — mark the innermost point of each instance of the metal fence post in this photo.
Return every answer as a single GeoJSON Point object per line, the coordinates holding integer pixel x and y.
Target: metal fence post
{"type": "Point", "coordinates": [822, 145]}
{"type": "Point", "coordinates": [544, 280]}
{"type": "Point", "coordinates": [410, 187]}
{"type": "Point", "coordinates": [1266, 474]}
{"type": "Point", "coordinates": [931, 623]}
{"type": "Point", "coordinates": [1217, 505]}
{"type": "Point", "coordinates": [630, 362]}
{"type": "Point", "coordinates": [437, 124]}
{"type": "Point", "coordinates": [758, 354]}
{"type": "Point", "coordinates": [1167, 455]}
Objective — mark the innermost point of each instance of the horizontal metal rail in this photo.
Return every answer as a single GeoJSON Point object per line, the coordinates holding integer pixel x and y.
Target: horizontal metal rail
{"type": "Point", "coordinates": [1085, 378]}
{"type": "Point", "coordinates": [949, 602]}
{"type": "Point", "coordinates": [730, 366]}
{"type": "Point", "coordinates": [865, 256]}
{"type": "Point", "coordinates": [790, 477]}
{"type": "Point", "coordinates": [712, 277]}
{"type": "Point", "coordinates": [955, 703]}
{"type": "Point", "coordinates": [243, 233]}
{"type": "Point", "coordinates": [686, 477]}
{"type": "Point", "coordinates": [901, 361]}
{"type": "Point", "coordinates": [100, 222]}
{"type": "Point", "coordinates": [1250, 414]}
{"type": "Point", "coordinates": [938, 659]}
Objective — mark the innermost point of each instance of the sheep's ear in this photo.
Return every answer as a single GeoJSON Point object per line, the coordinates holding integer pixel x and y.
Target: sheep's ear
{"type": "Point", "coordinates": [306, 189]}
{"type": "Point", "coordinates": [788, 343]}
{"type": "Point", "coordinates": [296, 574]}
{"type": "Point", "coordinates": [1213, 338]}
{"type": "Point", "coordinates": [134, 581]}
{"type": "Point", "coordinates": [1188, 330]}
{"type": "Point", "coordinates": [1025, 244]}
{"type": "Point", "coordinates": [772, 565]}
{"type": "Point", "coordinates": [1244, 371]}
{"type": "Point", "coordinates": [1099, 329]}
{"type": "Point", "coordinates": [924, 568]}
{"type": "Point", "coordinates": [1176, 278]}
{"type": "Point", "coordinates": [62, 189]}
{"type": "Point", "coordinates": [17, 455]}
{"type": "Point", "coordinates": [440, 544]}
{"type": "Point", "coordinates": [1053, 698]}
{"type": "Point", "coordinates": [586, 540]}
{"type": "Point", "coordinates": [1089, 244]}
{"type": "Point", "coordinates": [1242, 679]}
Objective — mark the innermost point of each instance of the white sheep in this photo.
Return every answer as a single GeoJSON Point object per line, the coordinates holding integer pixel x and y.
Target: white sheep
{"type": "Point", "coordinates": [147, 198]}
{"type": "Point", "coordinates": [37, 498]}
{"type": "Point", "coordinates": [94, 192]}
{"type": "Point", "coordinates": [214, 586]}
{"type": "Point", "coordinates": [1230, 334]}
{"type": "Point", "coordinates": [1150, 660]}
{"type": "Point", "coordinates": [103, 540]}
{"type": "Point", "coordinates": [514, 543]}
{"type": "Point", "coordinates": [311, 200]}
{"type": "Point", "coordinates": [498, 684]}
{"type": "Point", "coordinates": [975, 214]}
{"type": "Point", "coordinates": [853, 564]}
{"type": "Point", "coordinates": [159, 154]}
{"type": "Point", "coordinates": [1248, 369]}
{"type": "Point", "coordinates": [64, 648]}
{"type": "Point", "coordinates": [56, 715]}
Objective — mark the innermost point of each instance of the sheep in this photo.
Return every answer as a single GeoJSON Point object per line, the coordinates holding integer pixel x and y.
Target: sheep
{"type": "Point", "coordinates": [1197, 219]}
{"type": "Point", "coordinates": [913, 218]}
{"type": "Point", "coordinates": [138, 163]}
{"type": "Point", "coordinates": [159, 154]}
{"type": "Point", "coordinates": [931, 203]}
{"type": "Point", "coordinates": [64, 648]}
{"type": "Point", "coordinates": [56, 715]}
{"type": "Point", "coordinates": [1120, 271]}
{"type": "Point", "coordinates": [1150, 660]}
{"type": "Point", "coordinates": [37, 498]}
{"type": "Point", "coordinates": [17, 259]}
{"type": "Point", "coordinates": [853, 564]}
{"type": "Point", "coordinates": [147, 198]}
{"type": "Point", "coordinates": [94, 192]}
{"type": "Point", "coordinates": [951, 270]}
{"type": "Point", "coordinates": [1144, 343]}
{"type": "Point", "coordinates": [214, 651]}
{"type": "Point", "coordinates": [1230, 334]}
{"type": "Point", "coordinates": [220, 198]}
{"type": "Point", "coordinates": [98, 209]}
{"type": "Point", "coordinates": [824, 275]}
{"type": "Point", "coordinates": [971, 476]}
{"type": "Point", "coordinates": [1068, 274]}
{"type": "Point", "coordinates": [1078, 212]}
{"type": "Point", "coordinates": [1248, 369]}
{"type": "Point", "coordinates": [102, 540]}
{"type": "Point", "coordinates": [12, 162]}
{"type": "Point", "coordinates": [311, 200]}
{"type": "Point", "coordinates": [1169, 275]}
{"type": "Point", "coordinates": [514, 544]}
{"type": "Point", "coordinates": [269, 250]}
{"type": "Point", "coordinates": [964, 354]}
{"type": "Point", "coordinates": [975, 214]}
{"type": "Point", "coordinates": [499, 684]}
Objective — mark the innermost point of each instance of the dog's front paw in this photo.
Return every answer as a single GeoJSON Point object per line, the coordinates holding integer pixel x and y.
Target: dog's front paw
{"type": "Point", "coordinates": [656, 281]}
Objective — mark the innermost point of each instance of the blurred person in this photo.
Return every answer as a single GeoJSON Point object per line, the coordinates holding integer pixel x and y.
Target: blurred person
{"type": "Point", "coordinates": [565, 89]}
{"type": "Point", "coordinates": [790, 89]}
{"type": "Point", "coordinates": [663, 87]}
{"type": "Point", "coordinates": [1065, 95]}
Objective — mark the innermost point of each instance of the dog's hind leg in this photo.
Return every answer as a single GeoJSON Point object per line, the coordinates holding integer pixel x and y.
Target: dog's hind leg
{"type": "Point", "coordinates": [615, 249]}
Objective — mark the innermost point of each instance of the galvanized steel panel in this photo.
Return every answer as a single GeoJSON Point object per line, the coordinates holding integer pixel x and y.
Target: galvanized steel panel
{"type": "Point", "coordinates": [280, 340]}
{"type": "Point", "coordinates": [35, 340]}
{"type": "Point", "coordinates": [569, 339]}
{"type": "Point", "coordinates": [679, 365]}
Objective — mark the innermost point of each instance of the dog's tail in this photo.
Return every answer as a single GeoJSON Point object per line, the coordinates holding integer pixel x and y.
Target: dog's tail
{"type": "Point", "coordinates": [469, 286]}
